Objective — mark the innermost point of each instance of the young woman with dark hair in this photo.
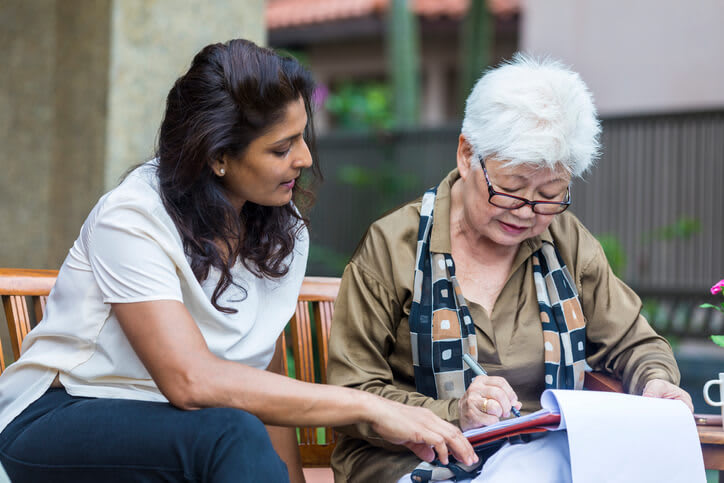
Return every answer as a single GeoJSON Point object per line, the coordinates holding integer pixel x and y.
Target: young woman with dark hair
{"type": "Point", "coordinates": [156, 358]}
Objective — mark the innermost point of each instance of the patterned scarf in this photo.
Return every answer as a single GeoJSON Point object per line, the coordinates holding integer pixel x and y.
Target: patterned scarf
{"type": "Point", "coordinates": [442, 330]}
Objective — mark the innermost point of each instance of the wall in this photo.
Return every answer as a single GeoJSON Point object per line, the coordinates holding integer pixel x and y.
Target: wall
{"type": "Point", "coordinates": [637, 57]}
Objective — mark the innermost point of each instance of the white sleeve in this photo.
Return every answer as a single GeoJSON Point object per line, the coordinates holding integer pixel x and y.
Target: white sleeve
{"type": "Point", "coordinates": [129, 250]}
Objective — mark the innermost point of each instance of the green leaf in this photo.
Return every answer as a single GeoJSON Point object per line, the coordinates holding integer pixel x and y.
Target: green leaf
{"type": "Point", "coordinates": [683, 228]}
{"type": "Point", "coordinates": [361, 106]}
{"type": "Point", "coordinates": [718, 340]}
{"type": "Point", "coordinates": [710, 306]}
{"type": "Point", "coordinates": [357, 176]}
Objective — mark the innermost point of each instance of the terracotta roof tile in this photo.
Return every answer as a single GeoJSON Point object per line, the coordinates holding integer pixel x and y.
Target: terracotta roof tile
{"type": "Point", "coordinates": [440, 8]}
{"type": "Point", "coordinates": [294, 13]}
{"type": "Point", "coordinates": [289, 13]}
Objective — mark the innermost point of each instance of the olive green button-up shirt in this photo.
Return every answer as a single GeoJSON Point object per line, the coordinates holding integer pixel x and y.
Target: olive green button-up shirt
{"type": "Point", "coordinates": [370, 349]}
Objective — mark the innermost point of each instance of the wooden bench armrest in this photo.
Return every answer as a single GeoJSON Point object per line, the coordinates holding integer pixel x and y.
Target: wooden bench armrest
{"type": "Point", "coordinates": [599, 381]}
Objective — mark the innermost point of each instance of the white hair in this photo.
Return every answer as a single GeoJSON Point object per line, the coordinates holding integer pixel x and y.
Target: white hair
{"type": "Point", "coordinates": [530, 111]}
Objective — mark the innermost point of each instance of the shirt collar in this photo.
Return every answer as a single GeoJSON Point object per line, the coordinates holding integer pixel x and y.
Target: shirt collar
{"type": "Point", "coordinates": [440, 236]}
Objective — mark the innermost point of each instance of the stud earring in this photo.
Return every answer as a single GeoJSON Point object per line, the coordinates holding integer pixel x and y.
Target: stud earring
{"type": "Point", "coordinates": [222, 172]}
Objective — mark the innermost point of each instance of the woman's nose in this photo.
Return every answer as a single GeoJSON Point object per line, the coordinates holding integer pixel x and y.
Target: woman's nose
{"type": "Point", "coordinates": [525, 211]}
{"type": "Point", "coordinates": [303, 158]}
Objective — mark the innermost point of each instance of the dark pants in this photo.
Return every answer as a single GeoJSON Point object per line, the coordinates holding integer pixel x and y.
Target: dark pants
{"type": "Point", "coordinates": [62, 438]}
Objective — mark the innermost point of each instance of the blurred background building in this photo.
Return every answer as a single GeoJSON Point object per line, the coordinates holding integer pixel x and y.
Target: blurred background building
{"type": "Point", "coordinates": [391, 91]}
{"type": "Point", "coordinates": [84, 81]}
{"type": "Point", "coordinates": [347, 46]}
{"type": "Point", "coordinates": [655, 69]}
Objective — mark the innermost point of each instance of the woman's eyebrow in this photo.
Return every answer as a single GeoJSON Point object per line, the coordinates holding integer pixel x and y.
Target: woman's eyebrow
{"type": "Point", "coordinates": [528, 179]}
{"type": "Point", "coordinates": [286, 139]}
{"type": "Point", "coordinates": [557, 180]}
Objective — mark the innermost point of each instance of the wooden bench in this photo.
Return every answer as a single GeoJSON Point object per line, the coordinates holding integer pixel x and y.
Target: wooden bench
{"type": "Point", "coordinates": [24, 294]}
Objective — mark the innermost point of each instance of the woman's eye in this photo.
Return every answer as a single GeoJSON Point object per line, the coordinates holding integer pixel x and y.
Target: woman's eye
{"type": "Point", "coordinates": [282, 153]}
{"type": "Point", "coordinates": [509, 190]}
{"type": "Point", "coordinates": [556, 196]}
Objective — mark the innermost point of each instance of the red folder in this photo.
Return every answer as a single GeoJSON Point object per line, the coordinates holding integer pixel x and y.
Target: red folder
{"type": "Point", "coordinates": [537, 422]}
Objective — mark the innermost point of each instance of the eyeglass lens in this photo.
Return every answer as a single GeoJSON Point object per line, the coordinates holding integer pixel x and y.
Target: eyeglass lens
{"type": "Point", "coordinates": [511, 203]}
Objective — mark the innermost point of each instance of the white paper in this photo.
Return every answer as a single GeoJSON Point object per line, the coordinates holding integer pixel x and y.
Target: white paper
{"type": "Point", "coordinates": [616, 437]}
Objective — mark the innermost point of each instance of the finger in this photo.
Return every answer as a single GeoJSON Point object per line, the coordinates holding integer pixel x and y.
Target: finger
{"type": "Point", "coordinates": [456, 443]}
{"type": "Point", "coordinates": [686, 397]}
{"type": "Point", "coordinates": [496, 388]}
{"type": "Point", "coordinates": [499, 404]}
{"type": "Point", "coordinates": [440, 448]}
{"type": "Point", "coordinates": [494, 408]}
{"type": "Point", "coordinates": [663, 389]}
{"type": "Point", "coordinates": [461, 448]}
{"type": "Point", "coordinates": [503, 384]}
{"type": "Point", "coordinates": [476, 418]}
{"type": "Point", "coordinates": [472, 419]}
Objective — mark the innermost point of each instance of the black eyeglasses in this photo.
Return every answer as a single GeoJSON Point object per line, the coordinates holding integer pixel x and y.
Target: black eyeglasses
{"type": "Point", "coordinates": [510, 202]}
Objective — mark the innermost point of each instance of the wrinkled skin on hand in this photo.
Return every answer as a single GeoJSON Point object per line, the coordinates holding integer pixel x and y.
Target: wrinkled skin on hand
{"type": "Point", "coordinates": [665, 390]}
{"type": "Point", "coordinates": [500, 398]}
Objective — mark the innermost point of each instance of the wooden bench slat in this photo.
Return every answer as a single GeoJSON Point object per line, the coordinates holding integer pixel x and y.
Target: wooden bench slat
{"type": "Point", "coordinates": [39, 307]}
{"type": "Point", "coordinates": [303, 363]}
{"type": "Point", "coordinates": [16, 309]}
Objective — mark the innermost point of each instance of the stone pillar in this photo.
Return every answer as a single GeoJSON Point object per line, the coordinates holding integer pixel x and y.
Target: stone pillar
{"type": "Point", "coordinates": [82, 90]}
{"type": "Point", "coordinates": [152, 43]}
{"type": "Point", "coordinates": [27, 117]}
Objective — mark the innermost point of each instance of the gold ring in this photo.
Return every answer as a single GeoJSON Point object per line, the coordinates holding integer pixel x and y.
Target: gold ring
{"type": "Point", "coordinates": [485, 405]}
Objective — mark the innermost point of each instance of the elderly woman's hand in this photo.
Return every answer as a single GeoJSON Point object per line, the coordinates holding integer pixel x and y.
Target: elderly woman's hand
{"type": "Point", "coordinates": [665, 390]}
{"type": "Point", "coordinates": [487, 400]}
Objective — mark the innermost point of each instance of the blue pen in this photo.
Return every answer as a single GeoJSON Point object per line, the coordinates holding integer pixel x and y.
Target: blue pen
{"type": "Point", "coordinates": [479, 371]}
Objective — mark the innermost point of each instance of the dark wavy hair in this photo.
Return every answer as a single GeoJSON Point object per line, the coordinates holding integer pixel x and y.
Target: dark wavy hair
{"type": "Point", "coordinates": [232, 94]}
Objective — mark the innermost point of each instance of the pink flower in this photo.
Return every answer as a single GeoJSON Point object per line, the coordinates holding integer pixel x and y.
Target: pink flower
{"type": "Point", "coordinates": [717, 287]}
{"type": "Point", "coordinates": [320, 94]}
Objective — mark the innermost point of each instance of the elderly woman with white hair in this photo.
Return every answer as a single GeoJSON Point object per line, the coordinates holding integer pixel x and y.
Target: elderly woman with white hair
{"type": "Point", "coordinates": [489, 263]}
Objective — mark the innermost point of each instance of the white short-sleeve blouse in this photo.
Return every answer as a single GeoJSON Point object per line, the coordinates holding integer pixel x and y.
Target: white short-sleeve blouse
{"type": "Point", "coordinates": [130, 251]}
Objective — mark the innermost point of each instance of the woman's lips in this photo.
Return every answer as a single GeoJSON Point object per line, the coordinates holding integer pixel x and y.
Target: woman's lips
{"type": "Point", "coordinates": [512, 229]}
{"type": "Point", "coordinates": [289, 184]}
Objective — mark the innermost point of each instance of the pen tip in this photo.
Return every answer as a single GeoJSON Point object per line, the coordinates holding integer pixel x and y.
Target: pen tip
{"type": "Point", "coordinates": [516, 412]}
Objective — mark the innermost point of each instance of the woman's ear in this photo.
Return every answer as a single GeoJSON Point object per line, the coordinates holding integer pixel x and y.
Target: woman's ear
{"type": "Point", "coordinates": [218, 166]}
{"type": "Point", "coordinates": [465, 157]}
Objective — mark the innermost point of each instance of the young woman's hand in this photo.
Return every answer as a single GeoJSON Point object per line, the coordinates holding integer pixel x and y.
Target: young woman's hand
{"type": "Point", "coordinates": [487, 399]}
{"type": "Point", "coordinates": [422, 432]}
